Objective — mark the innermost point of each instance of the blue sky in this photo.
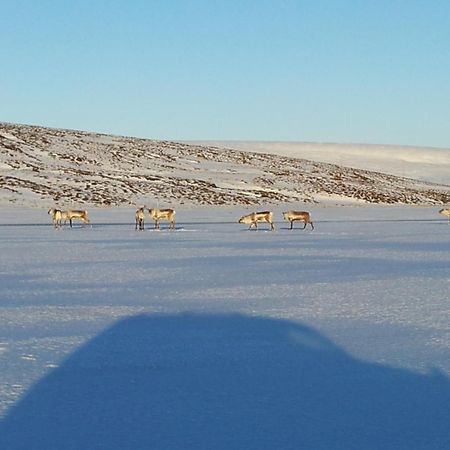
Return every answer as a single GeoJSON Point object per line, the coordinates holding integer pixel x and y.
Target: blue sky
{"type": "Point", "coordinates": [321, 71]}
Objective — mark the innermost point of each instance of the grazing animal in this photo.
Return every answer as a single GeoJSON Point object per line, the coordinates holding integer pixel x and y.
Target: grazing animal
{"type": "Point", "coordinates": [255, 217]}
{"type": "Point", "coordinates": [446, 213]}
{"type": "Point", "coordinates": [57, 217]}
{"type": "Point", "coordinates": [301, 216]}
{"type": "Point", "coordinates": [140, 216]}
{"type": "Point", "coordinates": [166, 214]}
{"type": "Point", "coordinates": [71, 214]}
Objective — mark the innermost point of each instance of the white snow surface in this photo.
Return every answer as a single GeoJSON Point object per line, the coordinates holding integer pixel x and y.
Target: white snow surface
{"type": "Point", "coordinates": [420, 163]}
{"type": "Point", "coordinates": [215, 337]}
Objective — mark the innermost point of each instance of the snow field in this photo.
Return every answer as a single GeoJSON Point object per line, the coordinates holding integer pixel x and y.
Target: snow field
{"type": "Point", "coordinates": [369, 286]}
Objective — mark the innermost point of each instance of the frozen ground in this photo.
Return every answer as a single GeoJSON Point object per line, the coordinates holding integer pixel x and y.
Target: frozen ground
{"type": "Point", "coordinates": [215, 337]}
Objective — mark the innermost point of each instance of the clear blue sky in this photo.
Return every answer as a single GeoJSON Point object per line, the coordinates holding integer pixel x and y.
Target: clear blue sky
{"type": "Point", "coordinates": [323, 71]}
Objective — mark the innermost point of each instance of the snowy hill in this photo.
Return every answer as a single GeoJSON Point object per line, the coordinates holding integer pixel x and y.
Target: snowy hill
{"type": "Point", "coordinates": [420, 163]}
{"type": "Point", "coordinates": [42, 166]}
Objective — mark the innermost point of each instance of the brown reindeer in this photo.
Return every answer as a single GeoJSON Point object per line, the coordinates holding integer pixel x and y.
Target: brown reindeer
{"type": "Point", "coordinates": [252, 219]}
{"type": "Point", "coordinates": [301, 216]}
{"type": "Point", "coordinates": [445, 212]}
{"type": "Point", "coordinates": [71, 214]}
{"type": "Point", "coordinates": [140, 216]}
{"type": "Point", "coordinates": [57, 217]}
{"type": "Point", "coordinates": [166, 214]}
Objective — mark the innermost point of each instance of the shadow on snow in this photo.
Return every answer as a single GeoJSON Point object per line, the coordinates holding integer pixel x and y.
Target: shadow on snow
{"type": "Point", "coordinates": [226, 382]}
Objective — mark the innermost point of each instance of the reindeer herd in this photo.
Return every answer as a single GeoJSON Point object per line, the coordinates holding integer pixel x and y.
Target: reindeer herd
{"type": "Point", "coordinates": [60, 217]}
{"type": "Point", "coordinates": [252, 219]}
{"type": "Point", "coordinates": [267, 216]}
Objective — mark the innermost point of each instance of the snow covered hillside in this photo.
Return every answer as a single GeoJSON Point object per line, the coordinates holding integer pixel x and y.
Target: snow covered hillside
{"type": "Point", "coordinates": [421, 163]}
{"type": "Point", "coordinates": [42, 167]}
{"type": "Point", "coordinates": [215, 337]}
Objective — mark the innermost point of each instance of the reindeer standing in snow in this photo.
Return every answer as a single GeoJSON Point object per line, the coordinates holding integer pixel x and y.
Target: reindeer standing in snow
{"type": "Point", "coordinates": [255, 217]}
{"type": "Point", "coordinates": [301, 216]}
{"type": "Point", "coordinates": [166, 214]}
{"type": "Point", "coordinates": [140, 216]}
{"type": "Point", "coordinates": [445, 212]}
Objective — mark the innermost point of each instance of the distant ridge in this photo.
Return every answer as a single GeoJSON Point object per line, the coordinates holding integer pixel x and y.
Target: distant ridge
{"type": "Point", "coordinates": [42, 166]}
{"type": "Point", "coordinates": [421, 163]}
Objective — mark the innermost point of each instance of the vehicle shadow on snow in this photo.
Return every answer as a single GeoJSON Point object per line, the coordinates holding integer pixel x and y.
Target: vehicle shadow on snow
{"type": "Point", "coordinates": [193, 381]}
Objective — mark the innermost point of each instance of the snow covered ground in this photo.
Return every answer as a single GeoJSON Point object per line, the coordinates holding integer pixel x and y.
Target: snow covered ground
{"type": "Point", "coordinates": [215, 337]}
{"type": "Point", "coordinates": [420, 163]}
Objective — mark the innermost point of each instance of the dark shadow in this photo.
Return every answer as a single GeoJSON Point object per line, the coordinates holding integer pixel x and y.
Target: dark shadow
{"type": "Point", "coordinates": [226, 382]}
